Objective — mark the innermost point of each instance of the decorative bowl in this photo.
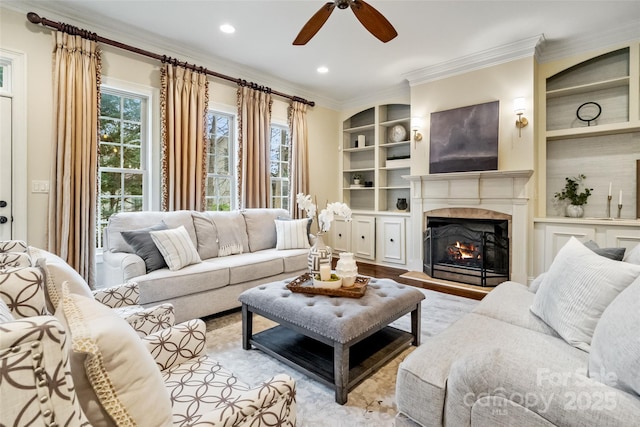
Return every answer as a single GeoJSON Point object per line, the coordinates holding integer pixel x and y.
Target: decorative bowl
{"type": "Point", "coordinates": [334, 283]}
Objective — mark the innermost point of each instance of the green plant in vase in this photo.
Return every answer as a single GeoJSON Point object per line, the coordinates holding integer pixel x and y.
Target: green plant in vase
{"type": "Point", "coordinates": [576, 198]}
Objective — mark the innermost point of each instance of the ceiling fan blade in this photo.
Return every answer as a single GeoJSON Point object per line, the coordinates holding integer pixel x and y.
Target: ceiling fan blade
{"type": "Point", "coordinates": [373, 21]}
{"type": "Point", "coordinates": [314, 24]}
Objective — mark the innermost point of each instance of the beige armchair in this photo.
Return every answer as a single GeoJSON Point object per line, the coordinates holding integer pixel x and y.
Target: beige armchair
{"type": "Point", "coordinates": [87, 367]}
{"type": "Point", "coordinates": [25, 269]}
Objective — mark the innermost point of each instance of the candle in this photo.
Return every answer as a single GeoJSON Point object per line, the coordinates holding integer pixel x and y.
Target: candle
{"type": "Point", "coordinates": [620, 198]}
{"type": "Point", "coordinates": [609, 188]}
{"type": "Point", "coordinates": [325, 272]}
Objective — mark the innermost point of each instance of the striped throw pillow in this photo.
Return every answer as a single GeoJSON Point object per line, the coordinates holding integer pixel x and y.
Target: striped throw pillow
{"type": "Point", "coordinates": [292, 234]}
{"type": "Point", "coordinates": [176, 247]}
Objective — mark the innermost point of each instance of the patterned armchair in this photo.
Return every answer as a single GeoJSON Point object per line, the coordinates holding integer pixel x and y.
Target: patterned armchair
{"type": "Point", "coordinates": [54, 371]}
{"type": "Point", "coordinates": [24, 270]}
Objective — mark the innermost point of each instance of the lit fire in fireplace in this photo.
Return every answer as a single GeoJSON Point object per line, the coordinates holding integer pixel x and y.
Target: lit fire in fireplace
{"type": "Point", "coordinates": [463, 251]}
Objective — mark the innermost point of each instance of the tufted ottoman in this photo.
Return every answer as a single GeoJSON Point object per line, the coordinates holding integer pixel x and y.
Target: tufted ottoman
{"type": "Point", "coordinates": [336, 340]}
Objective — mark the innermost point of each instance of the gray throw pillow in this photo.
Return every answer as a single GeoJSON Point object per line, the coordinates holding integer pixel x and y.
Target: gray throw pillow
{"type": "Point", "coordinates": [142, 244]}
{"type": "Point", "coordinates": [615, 346]}
{"type": "Point", "coordinates": [288, 218]}
{"type": "Point", "coordinates": [615, 254]}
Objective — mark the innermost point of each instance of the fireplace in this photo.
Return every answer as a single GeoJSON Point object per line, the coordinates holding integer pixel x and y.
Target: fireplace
{"type": "Point", "coordinates": [467, 250]}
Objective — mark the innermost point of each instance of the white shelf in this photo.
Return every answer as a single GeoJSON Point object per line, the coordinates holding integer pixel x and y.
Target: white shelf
{"type": "Point", "coordinates": [360, 128]}
{"type": "Point", "coordinates": [358, 149]}
{"type": "Point", "coordinates": [590, 87]}
{"type": "Point", "coordinates": [395, 144]}
{"type": "Point", "coordinates": [395, 122]}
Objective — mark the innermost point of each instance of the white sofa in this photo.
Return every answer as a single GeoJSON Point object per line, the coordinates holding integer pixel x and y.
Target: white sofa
{"type": "Point", "coordinates": [213, 285]}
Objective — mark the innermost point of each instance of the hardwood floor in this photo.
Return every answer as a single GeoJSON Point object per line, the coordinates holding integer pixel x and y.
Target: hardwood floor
{"type": "Point", "coordinates": [467, 291]}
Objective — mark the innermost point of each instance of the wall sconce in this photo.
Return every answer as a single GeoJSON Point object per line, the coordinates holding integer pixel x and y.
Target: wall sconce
{"type": "Point", "coordinates": [416, 125]}
{"type": "Point", "coordinates": [519, 107]}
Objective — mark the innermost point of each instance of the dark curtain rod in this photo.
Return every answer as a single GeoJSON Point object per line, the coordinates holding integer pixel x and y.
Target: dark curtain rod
{"type": "Point", "coordinates": [70, 29]}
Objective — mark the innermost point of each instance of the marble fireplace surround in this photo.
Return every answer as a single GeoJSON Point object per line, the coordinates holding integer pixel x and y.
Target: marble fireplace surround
{"type": "Point", "coordinates": [503, 194]}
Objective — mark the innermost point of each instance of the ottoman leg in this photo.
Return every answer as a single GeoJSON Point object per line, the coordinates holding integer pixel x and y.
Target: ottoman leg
{"type": "Point", "coordinates": [247, 327]}
{"type": "Point", "coordinates": [341, 372]}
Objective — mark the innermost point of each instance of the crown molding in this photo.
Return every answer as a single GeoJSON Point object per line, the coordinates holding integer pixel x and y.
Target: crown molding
{"type": "Point", "coordinates": [398, 93]}
{"type": "Point", "coordinates": [520, 49]}
{"type": "Point", "coordinates": [559, 49]}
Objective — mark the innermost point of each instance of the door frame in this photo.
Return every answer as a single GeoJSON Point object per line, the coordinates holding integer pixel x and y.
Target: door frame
{"type": "Point", "coordinates": [18, 94]}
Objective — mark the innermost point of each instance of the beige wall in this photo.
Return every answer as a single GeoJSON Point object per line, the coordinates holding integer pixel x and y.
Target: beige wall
{"type": "Point", "coordinates": [17, 34]}
{"type": "Point", "coordinates": [503, 83]}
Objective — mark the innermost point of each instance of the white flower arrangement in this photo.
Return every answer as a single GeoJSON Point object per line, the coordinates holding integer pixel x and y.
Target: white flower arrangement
{"type": "Point", "coordinates": [327, 215]}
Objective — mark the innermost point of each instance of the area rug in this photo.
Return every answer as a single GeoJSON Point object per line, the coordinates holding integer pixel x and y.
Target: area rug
{"type": "Point", "coordinates": [371, 403]}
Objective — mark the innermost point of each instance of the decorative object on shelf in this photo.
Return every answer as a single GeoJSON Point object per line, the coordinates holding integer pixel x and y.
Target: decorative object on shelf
{"type": "Point", "coordinates": [368, 184]}
{"type": "Point", "coordinates": [519, 107]}
{"type": "Point", "coordinates": [347, 269]}
{"type": "Point", "coordinates": [361, 142]}
{"type": "Point", "coordinates": [588, 112]}
{"type": "Point", "coordinates": [620, 204]}
{"type": "Point", "coordinates": [320, 253]}
{"type": "Point", "coordinates": [356, 179]}
{"type": "Point", "coordinates": [464, 139]}
{"type": "Point", "coordinates": [609, 202]}
{"type": "Point", "coordinates": [576, 199]}
{"type": "Point", "coordinates": [401, 204]}
{"type": "Point", "coordinates": [397, 133]}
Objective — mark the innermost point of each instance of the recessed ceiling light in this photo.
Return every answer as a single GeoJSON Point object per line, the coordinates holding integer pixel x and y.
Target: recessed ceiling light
{"type": "Point", "coordinates": [322, 70]}
{"type": "Point", "coordinates": [227, 28]}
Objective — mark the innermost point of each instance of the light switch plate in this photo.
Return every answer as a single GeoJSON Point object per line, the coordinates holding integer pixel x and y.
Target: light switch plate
{"type": "Point", "coordinates": [39, 186]}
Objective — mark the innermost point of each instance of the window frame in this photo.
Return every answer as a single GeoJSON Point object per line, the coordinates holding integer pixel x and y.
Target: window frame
{"type": "Point", "coordinates": [233, 156]}
{"type": "Point", "coordinates": [284, 129]}
{"type": "Point", "coordinates": [149, 146]}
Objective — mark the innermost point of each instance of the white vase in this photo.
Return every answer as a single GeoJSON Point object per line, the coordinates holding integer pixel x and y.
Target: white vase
{"type": "Point", "coordinates": [318, 254]}
{"type": "Point", "coordinates": [347, 269]}
{"type": "Point", "coordinates": [574, 211]}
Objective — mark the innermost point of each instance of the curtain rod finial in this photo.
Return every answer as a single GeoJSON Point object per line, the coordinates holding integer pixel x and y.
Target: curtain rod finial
{"type": "Point", "coordinates": [34, 18]}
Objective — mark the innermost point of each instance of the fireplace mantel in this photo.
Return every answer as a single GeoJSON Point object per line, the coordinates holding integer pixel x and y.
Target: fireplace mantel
{"type": "Point", "coordinates": [500, 191]}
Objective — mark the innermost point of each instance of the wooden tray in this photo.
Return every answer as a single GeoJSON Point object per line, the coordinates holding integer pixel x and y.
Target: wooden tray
{"type": "Point", "coordinates": [304, 284]}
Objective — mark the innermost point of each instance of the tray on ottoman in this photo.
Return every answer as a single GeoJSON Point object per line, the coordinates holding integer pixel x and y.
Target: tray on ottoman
{"type": "Point", "coordinates": [304, 284]}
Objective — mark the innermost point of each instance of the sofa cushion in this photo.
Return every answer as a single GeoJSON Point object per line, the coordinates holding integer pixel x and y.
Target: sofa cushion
{"type": "Point", "coordinates": [535, 284]}
{"type": "Point", "coordinates": [207, 235]}
{"type": "Point", "coordinates": [249, 266]}
{"type": "Point", "coordinates": [510, 302]}
{"type": "Point", "coordinates": [176, 247]}
{"type": "Point", "coordinates": [232, 232]}
{"type": "Point", "coordinates": [15, 260]}
{"type": "Point", "coordinates": [260, 228]}
{"type": "Point", "coordinates": [126, 221]}
{"type": "Point", "coordinates": [13, 246]}
{"type": "Point", "coordinates": [164, 284]}
{"type": "Point", "coordinates": [116, 379]}
{"type": "Point", "coordinates": [615, 347]}
{"type": "Point", "coordinates": [292, 234]}
{"type": "Point", "coordinates": [144, 246]}
{"type": "Point", "coordinates": [22, 289]}
{"type": "Point", "coordinates": [576, 290]}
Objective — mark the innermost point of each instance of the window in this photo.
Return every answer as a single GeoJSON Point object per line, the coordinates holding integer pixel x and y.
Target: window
{"type": "Point", "coordinates": [122, 167]}
{"type": "Point", "coordinates": [279, 167]}
{"type": "Point", "coordinates": [220, 164]}
{"type": "Point", "coordinates": [5, 76]}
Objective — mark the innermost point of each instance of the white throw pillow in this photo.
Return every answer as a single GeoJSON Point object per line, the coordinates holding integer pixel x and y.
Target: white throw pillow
{"type": "Point", "coordinates": [115, 376]}
{"type": "Point", "coordinates": [176, 247]}
{"type": "Point", "coordinates": [633, 255]}
{"type": "Point", "coordinates": [292, 234]}
{"type": "Point", "coordinates": [576, 290]}
{"type": "Point", "coordinates": [615, 348]}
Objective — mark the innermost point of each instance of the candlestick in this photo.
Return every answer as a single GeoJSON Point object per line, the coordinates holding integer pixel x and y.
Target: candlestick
{"type": "Point", "coordinates": [609, 206]}
{"type": "Point", "coordinates": [609, 188]}
{"type": "Point", "coordinates": [619, 209]}
{"type": "Point", "coordinates": [620, 199]}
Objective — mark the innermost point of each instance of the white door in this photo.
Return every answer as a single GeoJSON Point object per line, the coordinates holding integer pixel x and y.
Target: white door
{"type": "Point", "coordinates": [5, 168]}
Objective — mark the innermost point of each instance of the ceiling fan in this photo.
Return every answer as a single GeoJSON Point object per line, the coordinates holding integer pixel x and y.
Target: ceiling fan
{"type": "Point", "coordinates": [368, 16]}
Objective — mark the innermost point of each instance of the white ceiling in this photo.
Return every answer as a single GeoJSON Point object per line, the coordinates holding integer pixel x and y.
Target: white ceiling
{"type": "Point", "coordinates": [429, 33]}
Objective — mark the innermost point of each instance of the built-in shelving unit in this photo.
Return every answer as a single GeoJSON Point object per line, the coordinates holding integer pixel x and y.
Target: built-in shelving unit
{"type": "Point", "coordinates": [381, 162]}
